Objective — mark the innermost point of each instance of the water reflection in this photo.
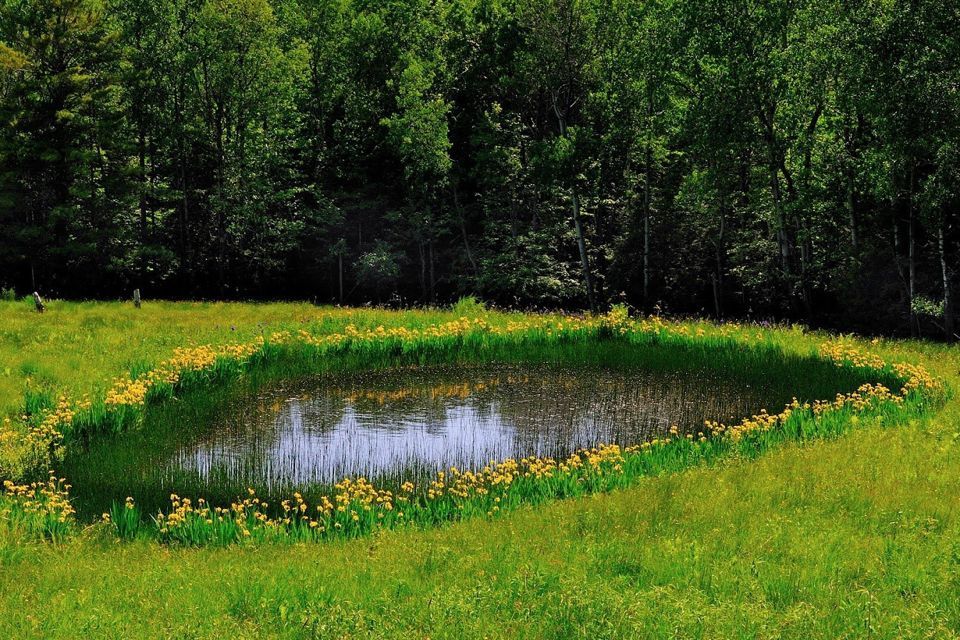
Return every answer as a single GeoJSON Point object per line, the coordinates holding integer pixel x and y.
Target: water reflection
{"type": "Point", "coordinates": [412, 422]}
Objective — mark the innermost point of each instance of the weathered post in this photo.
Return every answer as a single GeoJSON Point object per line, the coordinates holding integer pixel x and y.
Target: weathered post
{"type": "Point", "coordinates": [136, 298]}
{"type": "Point", "coordinates": [38, 301]}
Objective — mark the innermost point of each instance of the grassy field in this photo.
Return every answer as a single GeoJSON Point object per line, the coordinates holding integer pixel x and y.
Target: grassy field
{"type": "Point", "coordinates": [81, 347]}
{"type": "Point", "coordinates": [857, 536]}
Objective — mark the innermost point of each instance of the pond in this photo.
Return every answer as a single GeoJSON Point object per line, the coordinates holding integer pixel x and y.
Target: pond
{"type": "Point", "coordinates": [398, 424]}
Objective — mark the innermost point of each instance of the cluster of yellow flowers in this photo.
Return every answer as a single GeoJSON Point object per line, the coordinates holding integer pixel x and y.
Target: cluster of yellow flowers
{"type": "Point", "coordinates": [49, 500]}
{"type": "Point", "coordinates": [454, 328]}
{"type": "Point", "coordinates": [758, 423]}
{"type": "Point", "coordinates": [48, 435]}
{"type": "Point", "coordinates": [864, 397]}
{"type": "Point", "coordinates": [358, 504]}
{"type": "Point", "coordinates": [242, 517]}
{"type": "Point", "coordinates": [842, 352]}
{"type": "Point", "coordinates": [917, 378]}
{"type": "Point", "coordinates": [132, 392]}
{"type": "Point", "coordinates": [183, 510]}
{"type": "Point", "coordinates": [914, 377]}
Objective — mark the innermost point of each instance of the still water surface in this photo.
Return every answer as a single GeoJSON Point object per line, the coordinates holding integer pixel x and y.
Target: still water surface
{"type": "Point", "coordinates": [393, 425]}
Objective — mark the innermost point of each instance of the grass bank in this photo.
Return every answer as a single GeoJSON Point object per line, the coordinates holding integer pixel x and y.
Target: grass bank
{"type": "Point", "coordinates": [137, 463]}
{"type": "Point", "coordinates": [852, 536]}
{"type": "Point", "coordinates": [49, 427]}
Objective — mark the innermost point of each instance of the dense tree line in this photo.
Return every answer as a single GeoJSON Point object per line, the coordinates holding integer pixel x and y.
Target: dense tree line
{"type": "Point", "coordinates": [787, 158]}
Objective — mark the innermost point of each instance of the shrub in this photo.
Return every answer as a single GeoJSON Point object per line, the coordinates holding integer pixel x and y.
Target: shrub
{"type": "Point", "coordinates": [469, 307]}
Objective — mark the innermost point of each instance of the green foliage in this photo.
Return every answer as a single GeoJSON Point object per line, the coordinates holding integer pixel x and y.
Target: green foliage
{"type": "Point", "coordinates": [927, 307]}
{"type": "Point", "coordinates": [794, 159]}
{"type": "Point", "coordinates": [378, 268]}
{"type": "Point", "coordinates": [608, 340]}
{"type": "Point", "coordinates": [61, 141]}
{"type": "Point", "coordinates": [469, 307]}
{"type": "Point", "coordinates": [126, 519]}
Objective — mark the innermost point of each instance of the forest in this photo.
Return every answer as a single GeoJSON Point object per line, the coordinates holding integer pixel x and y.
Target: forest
{"type": "Point", "coordinates": [763, 159]}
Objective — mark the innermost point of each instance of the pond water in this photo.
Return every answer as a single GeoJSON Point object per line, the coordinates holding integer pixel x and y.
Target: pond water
{"type": "Point", "coordinates": [394, 425]}
{"type": "Point", "coordinates": [388, 425]}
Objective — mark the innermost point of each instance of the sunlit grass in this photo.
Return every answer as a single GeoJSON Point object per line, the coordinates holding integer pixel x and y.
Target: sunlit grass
{"type": "Point", "coordinates": [49, 427]}
{"type": "Point", "coordinates": [79, 348]}
{"type": "Point", "coordinates": [848, 537]}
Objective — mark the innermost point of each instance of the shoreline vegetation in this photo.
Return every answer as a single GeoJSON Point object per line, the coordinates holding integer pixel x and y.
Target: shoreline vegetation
{"type": "Point", "coordinates": [894, 393]}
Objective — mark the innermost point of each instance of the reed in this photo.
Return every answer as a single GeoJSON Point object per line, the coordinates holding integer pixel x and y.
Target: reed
{"type": "Point", "coordinates": [358, 508]}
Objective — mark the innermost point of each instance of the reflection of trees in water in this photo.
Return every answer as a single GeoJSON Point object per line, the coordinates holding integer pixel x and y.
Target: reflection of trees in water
{"type": "Point", "coordinates": [558, 409]}
{"type": "Point", "coordinates": [250, 441]}
{"type": "Point", "coordinates": [406, 424]}
{"type": "Point", "coordinates": [428, 395]}
{"type": "Point", "coordinates": [393, 423]}
{"type": "Point", "coordinates": [314, 414]}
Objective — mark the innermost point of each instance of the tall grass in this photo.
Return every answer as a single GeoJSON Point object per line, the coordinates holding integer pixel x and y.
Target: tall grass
{"type": "Point", "coordinates": [849, 537]}
{"type": "Point", "coordinates": [357, 508]}
{"type": "Point", "coordinates": [137, 463]}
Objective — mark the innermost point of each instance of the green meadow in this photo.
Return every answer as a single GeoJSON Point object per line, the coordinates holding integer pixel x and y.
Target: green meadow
{"type": "Point", "coordinates": [828, 520]}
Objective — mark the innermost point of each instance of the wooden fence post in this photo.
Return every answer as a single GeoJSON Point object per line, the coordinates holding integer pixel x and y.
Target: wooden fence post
{"type": "Point", "coordinates": [136, 298]}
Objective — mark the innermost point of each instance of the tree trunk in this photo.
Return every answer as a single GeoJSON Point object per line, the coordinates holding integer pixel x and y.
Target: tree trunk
{"type": "Point", "coordinates": [912, 259]}
{"type": "Point", "coordinates": [773, 164]}
{"type": "Point", "coordinates": [851, 136]}
{"type": "Point", "coordinates": [186, 260]}
{"type": "Point", "coordinates": [433, 280]}
{"type": "Point", "coordinates": [221, 213]}
{"type": "Point", "coordinates": [647, 194]}
{"type": "Point", "coordinates": [783, 240]}
{"type": "Point", "coordinates": [577, 223]}
{"type": "Point", "coordinates": [463, 233]}
{"type": "Point", "coordinates": [946, 271]}
{"type": "Point", "coordinates": [851, 205]}
{"type": "Point", "coordinates": [783, 236]}
{"type": "Point", "coordinates": [582, 245]}
{"type": "Point", "coordinates": [898, 257]}
{"type": "Point", "coordinates": [647, 198]}
{"type": "Point", "coordinates": [142, 179]}
{"type": "Point", "coordinates": [717, 308]}
{"type": "Point", "coordinates": [466, 247]}
{"type": "Point", "coordinates": [718, 257]}
{"type": "Point", "coordinates": [423, 270]}
{"type": "Point", "coordinates": [340, 274]}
